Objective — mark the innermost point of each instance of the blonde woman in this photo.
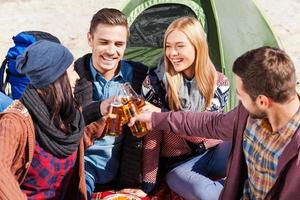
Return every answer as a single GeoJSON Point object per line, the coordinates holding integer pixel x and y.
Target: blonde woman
{"type": "Point", "coordinates": [186, 80]}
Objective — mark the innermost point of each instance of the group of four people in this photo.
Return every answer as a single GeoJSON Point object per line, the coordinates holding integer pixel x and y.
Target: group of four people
{"type": "Point", "coordinates": [54, 142]}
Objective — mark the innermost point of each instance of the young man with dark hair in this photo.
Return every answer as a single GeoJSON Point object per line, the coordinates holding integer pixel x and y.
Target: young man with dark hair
{"type": "Point", "coordinates": [101, 74]}
{"type": "Point", "coordinates": [265, 160]}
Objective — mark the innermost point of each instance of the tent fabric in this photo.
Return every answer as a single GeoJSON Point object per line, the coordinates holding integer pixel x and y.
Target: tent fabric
{"type": "Point", "coordinates": [149, 27]}
{"type": "Point", "coordinates": [134, 8]}
{"type": "Point", "coordinates": [241, 27]}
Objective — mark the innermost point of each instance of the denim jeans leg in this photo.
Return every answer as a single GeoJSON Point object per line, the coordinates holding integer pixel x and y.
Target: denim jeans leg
{"type": "Point", "coordinates": [90, 185]}
{"type": "Point", "coordinates": [192, 179]}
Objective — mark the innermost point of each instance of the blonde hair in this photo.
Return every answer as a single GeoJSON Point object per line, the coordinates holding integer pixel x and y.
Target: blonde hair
{"type": "Point", "coordinates": [205, 72]}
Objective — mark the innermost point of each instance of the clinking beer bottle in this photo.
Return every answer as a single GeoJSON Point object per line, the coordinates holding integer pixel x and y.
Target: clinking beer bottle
{"type": "Point", "coordinates": [132, 104]}
{"type": "Point", "coordinates": [114, 121]}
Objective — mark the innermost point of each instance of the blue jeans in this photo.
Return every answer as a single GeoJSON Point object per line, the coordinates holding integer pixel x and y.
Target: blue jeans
{"type": "Point", "coordinates": [193, 179]}
{"type": "Point", "coordinates": [101, 162]}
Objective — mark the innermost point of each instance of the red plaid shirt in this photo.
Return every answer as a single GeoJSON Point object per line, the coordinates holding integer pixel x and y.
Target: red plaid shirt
{"type": "Point", "coordinates": [47, 175]}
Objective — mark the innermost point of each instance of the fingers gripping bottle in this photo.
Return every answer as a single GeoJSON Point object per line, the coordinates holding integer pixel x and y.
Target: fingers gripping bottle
{"type": "Point", "coordinates": [115, 117]}
{"type": "Point", "coordinates": [132, 104]}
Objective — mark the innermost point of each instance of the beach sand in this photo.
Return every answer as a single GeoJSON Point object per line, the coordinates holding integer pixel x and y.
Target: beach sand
{"type": "Point", "coordinates": [69, 21]}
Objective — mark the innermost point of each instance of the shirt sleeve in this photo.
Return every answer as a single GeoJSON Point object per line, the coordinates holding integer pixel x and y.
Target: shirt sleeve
{"type": "Point", "coordinates": [214, 125]}
{"type": "Point", "coordinates": [93, 131]}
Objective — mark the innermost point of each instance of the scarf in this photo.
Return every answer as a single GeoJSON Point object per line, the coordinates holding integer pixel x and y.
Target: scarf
{"type": "Point", "coordinates": [190, 97]}
{"type": "Point", "coordinates": [48, 136]}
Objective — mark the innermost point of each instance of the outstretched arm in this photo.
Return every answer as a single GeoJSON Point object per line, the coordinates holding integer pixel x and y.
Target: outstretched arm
{"type": "Point", "coordinates": [202, 124]}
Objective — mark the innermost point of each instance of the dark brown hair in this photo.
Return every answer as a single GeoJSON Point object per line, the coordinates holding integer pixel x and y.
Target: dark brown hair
{"type": "Point", "coordinates": [267, 71]}
{"type": "Point", "coordinates": [109, 16]}
{"type": "Point", "coordinates": [60, 102]}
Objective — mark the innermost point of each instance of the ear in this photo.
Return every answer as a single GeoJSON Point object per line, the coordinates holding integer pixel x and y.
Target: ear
{"type": "Point", "coordinates": [263, 101]}
{"type": "Point", "coordinates": [90, 39]}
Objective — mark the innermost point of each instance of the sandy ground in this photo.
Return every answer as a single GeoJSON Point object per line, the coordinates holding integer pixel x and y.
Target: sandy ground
{"type": "Point", "coordinates": [69, 21]}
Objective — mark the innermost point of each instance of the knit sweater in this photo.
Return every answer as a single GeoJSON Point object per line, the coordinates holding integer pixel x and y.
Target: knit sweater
{"type": "Point", "coordinates": [17, 143]}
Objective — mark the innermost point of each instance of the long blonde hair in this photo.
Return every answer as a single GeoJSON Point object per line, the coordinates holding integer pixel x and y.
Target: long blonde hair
{"type": "Point", "coordinates": [205, 72]}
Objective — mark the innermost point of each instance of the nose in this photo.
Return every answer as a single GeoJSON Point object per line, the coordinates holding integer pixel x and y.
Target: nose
{"type": "Point", "coordinates": [111, 49]}
{"type": "Point", "coordinates": [173, 52]}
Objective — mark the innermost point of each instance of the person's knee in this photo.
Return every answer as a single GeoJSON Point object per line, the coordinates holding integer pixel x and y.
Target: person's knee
{"type": "Point", "coordinates": [193, 187]}
{"type": "Point", "coordinates": [175, 178]}
{"type": "Point", "coordinates": [207, 194]}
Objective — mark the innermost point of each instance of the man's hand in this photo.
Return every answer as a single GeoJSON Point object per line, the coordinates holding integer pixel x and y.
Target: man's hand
{"type": "Point", "coordinates": [211, 143]}
{"type": "Point", "coordinates": [142, 117]}
{"type": "Point", "coordinates": [105, 105]}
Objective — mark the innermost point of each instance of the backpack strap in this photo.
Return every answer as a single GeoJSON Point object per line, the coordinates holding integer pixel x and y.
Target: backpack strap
{"type": "Point", "coordinates": [3, 81]}
{"type": "Point", "coordinates": [40, 35]}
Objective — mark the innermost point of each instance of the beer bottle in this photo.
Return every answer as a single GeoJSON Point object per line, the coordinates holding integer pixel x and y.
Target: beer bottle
{"type": "Point", "coordinates": [132, 105]}
{"type": "Point", "coordinates": [114, 121]}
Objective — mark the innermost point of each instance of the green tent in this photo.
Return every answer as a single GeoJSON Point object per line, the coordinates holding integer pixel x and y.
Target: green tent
{"type": "Point", "coordinates": [232, 27]}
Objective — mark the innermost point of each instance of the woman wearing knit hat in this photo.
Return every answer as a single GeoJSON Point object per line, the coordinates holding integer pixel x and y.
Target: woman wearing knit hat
{"type": "Point", "coordinates": [41, 135]}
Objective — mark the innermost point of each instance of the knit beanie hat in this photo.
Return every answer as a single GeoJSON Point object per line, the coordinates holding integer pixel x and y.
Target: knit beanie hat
{"type": "Point", "coordinates": [44, 62]}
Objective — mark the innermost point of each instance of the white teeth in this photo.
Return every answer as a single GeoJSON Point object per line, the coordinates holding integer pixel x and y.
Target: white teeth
{"type": "Point", "coordinates": [176, 60]}
{"type": "Point", "coordinates": [108, 59]}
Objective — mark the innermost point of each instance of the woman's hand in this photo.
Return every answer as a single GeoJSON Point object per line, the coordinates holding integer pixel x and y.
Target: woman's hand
{"type": "Point", "coordinates": [150, 108]}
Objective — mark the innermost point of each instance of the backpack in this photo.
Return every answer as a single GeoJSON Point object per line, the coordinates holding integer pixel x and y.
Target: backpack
{"type": "Point", "coordinates": [9, 76]}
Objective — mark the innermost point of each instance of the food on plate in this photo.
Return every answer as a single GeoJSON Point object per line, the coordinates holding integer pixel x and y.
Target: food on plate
{"type": "Point", "coordinates": [121, 197]}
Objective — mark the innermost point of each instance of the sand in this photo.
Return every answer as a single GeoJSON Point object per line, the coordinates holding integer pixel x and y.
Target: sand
{"type": "Point", "coordinates": [69, 21]}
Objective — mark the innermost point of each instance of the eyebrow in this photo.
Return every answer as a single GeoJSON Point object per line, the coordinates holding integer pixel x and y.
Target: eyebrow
{"type": "Point", "coordinates": [105, 40]}
{"type": "Point", "coordinates": [175, 43]}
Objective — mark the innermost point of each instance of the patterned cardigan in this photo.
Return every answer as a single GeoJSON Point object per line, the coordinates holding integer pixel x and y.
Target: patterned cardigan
{"type": "Point", "coordinates": [168, 146]}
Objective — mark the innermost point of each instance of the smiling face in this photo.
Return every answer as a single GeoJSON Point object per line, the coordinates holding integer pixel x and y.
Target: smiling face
{"type": "Point", "coordinates": [181, 53]}
{"type": "Point", "coordinates": [108, 43]}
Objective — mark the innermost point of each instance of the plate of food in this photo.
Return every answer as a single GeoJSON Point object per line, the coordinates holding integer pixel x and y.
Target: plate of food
{"type": "Point", "coordinates": [121, 196]}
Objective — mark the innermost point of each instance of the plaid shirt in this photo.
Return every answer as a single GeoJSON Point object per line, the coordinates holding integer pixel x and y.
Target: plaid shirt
{"type": "Point", "coordinates": [47, 175]}
{"type": "Point", "coordinates": [262, 149]}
